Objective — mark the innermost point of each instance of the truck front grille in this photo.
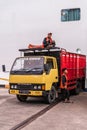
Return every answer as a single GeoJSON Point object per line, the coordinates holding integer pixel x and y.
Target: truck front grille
{"type": "Point", "coordinates": [25, 87]}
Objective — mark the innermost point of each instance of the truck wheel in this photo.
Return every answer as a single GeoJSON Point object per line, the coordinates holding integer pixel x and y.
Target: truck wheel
{"type": "Point", "coordinates": [77, 89]}
{"type": "Point", "coordinates": [51, 96]}
{"type": "Point", "coordinates": [22, 98]}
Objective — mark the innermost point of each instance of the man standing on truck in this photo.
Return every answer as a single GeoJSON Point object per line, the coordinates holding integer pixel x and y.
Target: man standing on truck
{"type": "Point", "coordinates": [48, 42]}
{"type": "Point", "coordinates": [64, 90]}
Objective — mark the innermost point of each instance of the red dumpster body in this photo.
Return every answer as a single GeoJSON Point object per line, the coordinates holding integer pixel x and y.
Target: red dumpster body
{"type": "Point", "coordinates": [76, 65]}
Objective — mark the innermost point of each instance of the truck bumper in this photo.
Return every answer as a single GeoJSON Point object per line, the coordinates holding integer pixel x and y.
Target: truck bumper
{"type": "Point", "coordinates": [28, 92]}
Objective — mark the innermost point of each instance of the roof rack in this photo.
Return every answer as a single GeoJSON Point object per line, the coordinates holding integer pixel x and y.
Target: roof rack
{"type": "Point", "coordinates": [40, 49]}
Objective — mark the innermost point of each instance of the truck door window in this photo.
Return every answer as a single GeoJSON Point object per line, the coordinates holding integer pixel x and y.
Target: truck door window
{"type": "Point", "coordinates": [50, 63]}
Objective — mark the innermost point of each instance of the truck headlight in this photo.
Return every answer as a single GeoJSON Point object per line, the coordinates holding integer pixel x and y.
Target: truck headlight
{"type": "Point", "coordinates": [13, 86]}
{"type": "Point", "coordinates": [35, 87]}
{"type": "Point", "coordinates": [39, 87]}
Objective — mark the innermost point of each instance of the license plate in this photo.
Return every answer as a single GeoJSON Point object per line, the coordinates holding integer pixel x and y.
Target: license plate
{"type": "Point", "coordinates": [23, 91]}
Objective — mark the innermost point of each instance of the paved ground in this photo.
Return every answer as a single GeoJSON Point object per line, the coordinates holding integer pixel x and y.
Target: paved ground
{"type": "Point", "coordinates": [61, 117]}
{"type": "Point", "coordinates": [13, 112]}
{"type": "Point", "coordinates": [64, 116]}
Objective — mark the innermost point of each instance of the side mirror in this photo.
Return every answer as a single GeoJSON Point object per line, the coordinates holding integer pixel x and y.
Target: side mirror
{"type": "Point", "coordinates": [3, 68]}
{"type": "Point", "coordinates": [46, 67]}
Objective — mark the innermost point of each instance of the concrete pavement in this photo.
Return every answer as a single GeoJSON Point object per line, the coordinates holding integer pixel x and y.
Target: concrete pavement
{"type": "Point", "coordinates": [64, 116]}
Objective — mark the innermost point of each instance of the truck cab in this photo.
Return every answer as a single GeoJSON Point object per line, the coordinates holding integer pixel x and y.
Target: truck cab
{"type": "Point", "coordinates": [34, 76]}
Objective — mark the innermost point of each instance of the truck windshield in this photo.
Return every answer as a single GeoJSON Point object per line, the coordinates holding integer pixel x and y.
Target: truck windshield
{"type": "Point", "coordinates": [28, 65]}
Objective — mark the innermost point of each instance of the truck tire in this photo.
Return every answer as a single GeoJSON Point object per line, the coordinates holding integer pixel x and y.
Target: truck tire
{"type": "Point", "coordinates": [22, 98]}
{"type": "Point", "coordinates": [51, 96]}
{"type": "Point", "coordinates": [77, 90]}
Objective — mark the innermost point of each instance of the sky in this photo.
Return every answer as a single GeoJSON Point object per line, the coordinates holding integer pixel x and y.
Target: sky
{"type": "Point", "coordinates": [28, 21]}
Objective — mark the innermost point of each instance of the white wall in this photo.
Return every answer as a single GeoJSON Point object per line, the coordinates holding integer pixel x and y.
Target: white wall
{"type": "Point", "coordinates": [28, 21]}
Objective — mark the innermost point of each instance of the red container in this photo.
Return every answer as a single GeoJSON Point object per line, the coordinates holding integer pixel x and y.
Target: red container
{"type": "Point", "coordinates": [76, 65]}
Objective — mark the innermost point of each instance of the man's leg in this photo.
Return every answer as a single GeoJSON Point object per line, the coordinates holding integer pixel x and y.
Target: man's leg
{"type": "Point", "coordinates": [67, 95]}
{"type": "Point", "coordinates": [63, 94]}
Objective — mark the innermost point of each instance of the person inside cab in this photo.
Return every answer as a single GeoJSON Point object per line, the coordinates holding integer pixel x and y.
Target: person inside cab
{"type": "Point", "coordinates": [48, 42]}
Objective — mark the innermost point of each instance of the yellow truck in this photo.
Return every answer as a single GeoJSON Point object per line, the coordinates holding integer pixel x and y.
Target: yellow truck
{"type": "Point", "coordinates": [38, 73]}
